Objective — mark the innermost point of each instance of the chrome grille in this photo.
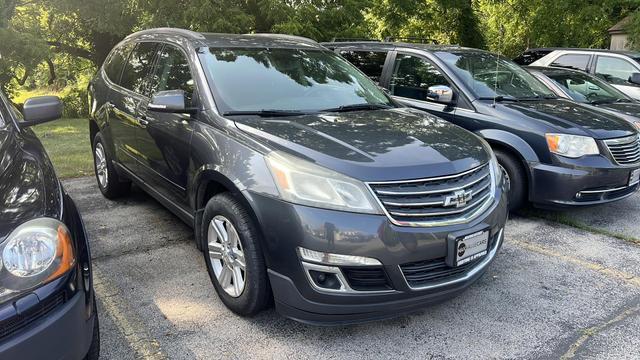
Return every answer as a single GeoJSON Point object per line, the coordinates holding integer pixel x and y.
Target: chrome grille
{"type": "Point", "coordinates": [437, 201]}
{"type": "Point", "coordinates": [625, 151]}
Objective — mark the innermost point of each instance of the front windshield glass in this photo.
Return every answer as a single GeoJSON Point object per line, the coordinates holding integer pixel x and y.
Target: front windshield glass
{"type": "Point", "coordinates": [490, 76]}
{"type": "Point", "coordinates": [587, 89]}
{"type": "Point", "coordinates": [305, 80]}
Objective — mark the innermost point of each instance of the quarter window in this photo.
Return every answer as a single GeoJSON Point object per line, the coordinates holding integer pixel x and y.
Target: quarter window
{"type": "Point", "coordinates": [113, 65]}
{"type": "Point", "coordinates": [615, 70]}
{"type": "Point", "coordinates": [138, 67]}
{"type": "Point", "coordinates": [172, 73]}
{"type": "Point", "coordinates": [573, 61]}
{"type": "Point", "coordinates": [369, 62]}
{"type": "Point", "coordinates": [412, 77]}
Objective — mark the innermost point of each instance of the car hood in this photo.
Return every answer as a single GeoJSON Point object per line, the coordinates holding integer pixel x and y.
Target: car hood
{"type": "Point", "coordinates": [28, 185]}
{"type": "Point", "coordinates": [631, 109]}
{"type": "Point", "coordinates": [377, 145]}
{"type": "Point", "coordinates": [571, 117]}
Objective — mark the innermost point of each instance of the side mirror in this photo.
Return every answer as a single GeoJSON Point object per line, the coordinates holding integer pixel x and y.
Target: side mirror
{"type": "Point", "coordinates": [440, 93]}
{"type": "Point", "coordinates": [169, 101]}
{"type": "Point", "coordinates": [635, 78]}
{"type": "Point", "coordinates": [38, 110]}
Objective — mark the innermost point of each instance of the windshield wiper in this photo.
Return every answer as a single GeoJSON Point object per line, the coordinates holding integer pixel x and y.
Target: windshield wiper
{"type": "Point", "coordinates": [357, 107]}
{"type": "Point", "coordinates": [265, 113]}
{"type": "Point", "coordinates": [499, 98]}
{"type": "Point", "coordinates": [538, 97]}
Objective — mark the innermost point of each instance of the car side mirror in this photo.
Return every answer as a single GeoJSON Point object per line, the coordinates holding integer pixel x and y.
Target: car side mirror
{"type": "Point", "coordinates": [635, 78]}
{"type": "Point", "coordinates": [169, 101]}
{"type": "Point", "coordinates": [40, 109]}
{"type": "Point", "coordinates": [440, 93]}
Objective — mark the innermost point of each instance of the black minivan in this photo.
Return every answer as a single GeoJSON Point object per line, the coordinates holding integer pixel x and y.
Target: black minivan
{"type": "Point", "coordinates": [47, 302]}
{"type": "Point", "coordinates": [305, 183]}
{"type": "Point", "coordinates": [556, 153]}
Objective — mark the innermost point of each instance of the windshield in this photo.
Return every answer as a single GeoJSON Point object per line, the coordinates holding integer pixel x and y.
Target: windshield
{"type": "Point", "coordinates": [587, 89]}
{"type": "Point", "coordinates": [305, 80]}
{"type": "Point", "coordinates": [490, 76]}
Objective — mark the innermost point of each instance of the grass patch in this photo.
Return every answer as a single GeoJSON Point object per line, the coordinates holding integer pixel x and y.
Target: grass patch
{"type": "Point", "coordinates": [564, 219]}
{"type": "Point", "coordinates": [67, 143]}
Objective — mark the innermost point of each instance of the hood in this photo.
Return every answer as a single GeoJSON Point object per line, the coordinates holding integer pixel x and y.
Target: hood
{"type": "Point", "coordinates": [28, 185]}
{"type": "Point", "coordinates": [380, 145]}
{"type": "Point", "coordinates": [570, 117]}
{"type": "Point", "coordinates": [631, 108]}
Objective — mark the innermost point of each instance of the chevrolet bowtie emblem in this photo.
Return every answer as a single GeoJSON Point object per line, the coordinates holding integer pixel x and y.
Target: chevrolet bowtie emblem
{"type": "Point", "coordinates": [458, 199]}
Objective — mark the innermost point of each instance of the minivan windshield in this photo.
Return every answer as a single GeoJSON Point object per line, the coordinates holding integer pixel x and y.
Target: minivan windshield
{"type": "Point", "coordinates": [271, 80]}
{"type": "Point", "coordinates": [587, 89]}
{"type": "Point", "coordinates": [489, 76]}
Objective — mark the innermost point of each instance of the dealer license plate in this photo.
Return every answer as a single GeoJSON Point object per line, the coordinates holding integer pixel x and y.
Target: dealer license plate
{"type": "Point", "coordinates": [471, 247]}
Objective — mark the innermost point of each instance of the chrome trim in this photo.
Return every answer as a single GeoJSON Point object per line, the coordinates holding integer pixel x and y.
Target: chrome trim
{"type": "Point", "coordinates": [627, 150]}
{"type": "Point", "coordinates": [344, 284]}
{"type": "Point", "coordinates": [460, 220]}
{"type": "Point", "coordinates": [480, 199]}
{"type": "Point", "coordinates": [608, 190]}
{"type": "Point", "coordinates": [431, 178]}
{"type": "Point", "coordinates": [468, 275]}
{"type": "Point", "coordinates": [382, 192]}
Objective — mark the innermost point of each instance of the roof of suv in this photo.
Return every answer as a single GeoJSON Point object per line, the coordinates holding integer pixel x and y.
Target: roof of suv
{"type": "Point", "coordinates": [383, 44]}
{"type": "Point", "coordinates": [231, 40]}
{"type": "Point", "coordinates": [621, 52]}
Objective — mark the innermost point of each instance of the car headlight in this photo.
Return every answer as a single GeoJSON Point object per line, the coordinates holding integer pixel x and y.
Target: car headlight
{"type": "Point", "coordinates": [637, 124]}
{"type": "Point", "coordinates": [35, 253]}
{"type": "Point", "coordinates": [301, 182]}
{"type": "Point", "coordinates": [573, 146]}
{"type": "Point", "coordinates": [496, 170]}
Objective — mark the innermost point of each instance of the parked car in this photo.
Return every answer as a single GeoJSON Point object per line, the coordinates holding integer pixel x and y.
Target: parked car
{"type": "Point", "coordinates": [619, 68]}
{"type": "Point", "coordinates": [47, 304]}
{"type": "Point", "coordinates": [587, 89]}
{"type": "Point", "coordinates": [556, 153]}
{"type": "Point", "coordinates": [305, 183]}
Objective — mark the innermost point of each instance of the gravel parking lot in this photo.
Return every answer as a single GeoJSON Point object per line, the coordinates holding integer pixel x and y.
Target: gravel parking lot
{"type": "Point", "coordinates": [554, 291]}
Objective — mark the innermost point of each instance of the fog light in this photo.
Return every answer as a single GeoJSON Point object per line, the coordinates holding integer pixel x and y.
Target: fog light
{"type": "Point", "coordinates": [336, 259]}
{"type": "Point", "coordinates": [325, 280]}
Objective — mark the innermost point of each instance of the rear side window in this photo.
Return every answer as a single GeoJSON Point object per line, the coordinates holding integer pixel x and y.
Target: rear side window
{"type": "Point", "coordinates": [113, 65]}
{"type": "Point", "coordinates": [615, 70]}
{"type": "Point", "coordinates": [138, 67]}
{"type": "Point", "coordinates": [172, 72]}
{"type": "Point", "coordinates": [369, 62]}
{"type": "Point", "coordinates": [412, 77]}
{"type": "Point", "coordinates": [573, 61]}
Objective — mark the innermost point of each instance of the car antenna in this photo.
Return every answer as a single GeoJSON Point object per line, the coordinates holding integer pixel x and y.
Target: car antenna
{"type": "Point", "coordinates": [495, 82]}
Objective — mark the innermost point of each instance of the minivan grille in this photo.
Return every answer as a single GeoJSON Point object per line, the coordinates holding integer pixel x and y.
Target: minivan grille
{"type": "Point", "coordinates": [625, 151]}
{"type": "Point", "coordinates": [437, 201]}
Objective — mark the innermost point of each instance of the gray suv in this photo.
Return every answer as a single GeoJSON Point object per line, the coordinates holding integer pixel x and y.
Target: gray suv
{"type": "Point", "coordinates": [305, 183]}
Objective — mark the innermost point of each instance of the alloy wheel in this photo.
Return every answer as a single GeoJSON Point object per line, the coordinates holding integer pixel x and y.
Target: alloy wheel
{"type": "Point", "coordinates": [226, 255]}
{"type": "Point", "coordinates": [505, 174]}
{"type": "Point", "coordinates": [101, 166]}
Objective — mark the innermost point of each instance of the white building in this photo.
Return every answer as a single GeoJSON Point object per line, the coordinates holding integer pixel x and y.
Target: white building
{"type": "Point", "coordinates": [619, 35]}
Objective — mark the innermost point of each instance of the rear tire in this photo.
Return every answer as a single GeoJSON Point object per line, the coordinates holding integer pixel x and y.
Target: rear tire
{"type": "Point", "coordinates": [236, 265]}
{"type": "Point", "coordinates": [110, 183]}
{"type": "Point", "coordinates": [515, 177]}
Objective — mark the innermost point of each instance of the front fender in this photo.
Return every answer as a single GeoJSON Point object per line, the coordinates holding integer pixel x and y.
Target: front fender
{"type": "Point", "coordinates": [510, 141]}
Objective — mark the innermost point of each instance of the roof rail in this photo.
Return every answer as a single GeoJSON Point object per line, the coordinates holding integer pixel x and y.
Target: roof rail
{"type": "Point", "coordinates": [411, 40]}
{"type": "Point", "coordinates": [171, 31]}
{"type": "Point", "coordinates": [336, 39]}
{"type": "Point", "coordinates": [286, 36]}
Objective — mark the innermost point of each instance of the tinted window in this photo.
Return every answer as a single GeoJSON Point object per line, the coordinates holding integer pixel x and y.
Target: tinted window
{"type": "Point", "coordinates": [172, 73]}
{"type": "Point", "coordinates": [369, 62]}
{"type": "Point", "coordinates": [530, 56]}
{"type": "Point", "coordinates": [413, 76]}
{"type": "Point", "coordinates": [253, 79]}
{"type": "Point", "coordinates": [615, 70]}
{"type": "Point", "coordinates": [113, 65]}
{"type": "Point", "coordinates": [138, 66]}
{"type": "Point", "coordinates": [586, 88]}
{"type": "Point", "coordinates": [573, 61]}
{"type": "Point", "coordinates": [489, 75]}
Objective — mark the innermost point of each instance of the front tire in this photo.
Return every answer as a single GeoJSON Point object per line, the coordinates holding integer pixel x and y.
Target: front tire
{"type": "Point", "coordinates": [233, 255]}
{"type": "Point", "coordinates": [516, 179]}
{"type": "Point", "coordinates": [110, 183]}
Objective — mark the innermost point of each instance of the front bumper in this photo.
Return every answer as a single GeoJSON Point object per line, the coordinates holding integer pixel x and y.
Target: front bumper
{"type": "Point", "coordinates": [286, 226]}
{"type": "Point", "coordinates": [591, 180]}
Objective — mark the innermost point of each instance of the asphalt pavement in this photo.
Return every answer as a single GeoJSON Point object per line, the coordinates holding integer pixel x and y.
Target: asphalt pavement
{"type": "Point", "coordinates": [554, 291]}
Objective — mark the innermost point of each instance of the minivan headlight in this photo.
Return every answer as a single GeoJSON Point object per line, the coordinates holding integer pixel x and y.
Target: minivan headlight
{"type": "Point", "coordinates": [301, 182]}
{"type": "Point", "coordinates": [35, 253]}
{"type": "Point", "coordinates": [573, 146]}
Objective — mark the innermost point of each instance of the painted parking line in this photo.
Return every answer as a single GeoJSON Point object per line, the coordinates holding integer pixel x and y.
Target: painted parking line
{"type": "Point", "coordinates": [613, 273]}
{"type": "Point", "coordinates": [145, 346]}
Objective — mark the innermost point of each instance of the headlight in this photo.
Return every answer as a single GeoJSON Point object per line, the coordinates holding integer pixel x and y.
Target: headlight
{"type": "Point", "coordinates": [573, 146]}
{"type": "Point", "coordinates": [302, 182]}
{"type": "Point", "coordinates": [495, 168]}
{"type": "Point", "coordinates": [637, 124]}
{"type": "Point", "coordinates": [35, 253]}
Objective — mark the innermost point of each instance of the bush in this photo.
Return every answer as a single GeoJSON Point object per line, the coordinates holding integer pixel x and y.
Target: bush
{"type": "Point", "coordinates": [75, 103]}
